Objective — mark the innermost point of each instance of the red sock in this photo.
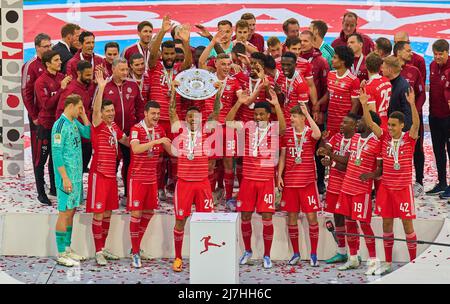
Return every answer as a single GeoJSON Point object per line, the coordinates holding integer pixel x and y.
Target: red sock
{"type": "Point", "coordinates": [135, 223]}
{"type": "Point", "coordinates": [267, 236]}
{"type": "Point", "coordinates": [98, 234]}
{"type": "Point", "coordinates": [239, 173]}
{"type": "Point", "coordinates": [412, 247]}
{"type": "Point", "coordinates": [145, 219]}
{"type": "Point", "coordinates": [351, 227]}
{"type": "Point", "coordinates": [105, 226]}
{"type": "Point", "coordinates": [293, 235]}
{"type": "Point", "coordinates": [370, 242]}
{"type": "Point", "coordinates": [340, 237]}
{"type": "Point", "coordinates": [246, 229]}
{"type": "Point", "coordinates": [388, 244]}
{"type": "Point", "coordinates": [229, 182]}
{"type": "Point", "coordinates": [314, 237]}
{"type": "Point", "coordinates": [161, 172]}
{"type": "Point", "coordinates": [178, 239]}
{"type": "Point", "coordinates": [212, 177]}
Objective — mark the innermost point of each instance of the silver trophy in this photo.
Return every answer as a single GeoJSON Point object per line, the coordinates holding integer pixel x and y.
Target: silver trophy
{"type": "Point", "coordinates": [196, 84]}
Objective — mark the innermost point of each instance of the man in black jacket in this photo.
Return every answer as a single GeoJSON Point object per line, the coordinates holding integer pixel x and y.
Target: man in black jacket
{"type": "Point", "coordinates": [391, 69]}
{"type": "Point", "coordinates": [69, 43]}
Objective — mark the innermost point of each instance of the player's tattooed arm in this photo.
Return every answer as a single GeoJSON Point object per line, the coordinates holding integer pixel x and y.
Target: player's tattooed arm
{"type": "Point", "coordinates": [414, 131]}
{"type": "Point", "coordinates": [154, 50]}
{"type": "Point", "coordinates": [216, 110]}
{"type": "Point", "coordinates": [363, 98]}
{"type": "Point", "coordinates": [173, 104]}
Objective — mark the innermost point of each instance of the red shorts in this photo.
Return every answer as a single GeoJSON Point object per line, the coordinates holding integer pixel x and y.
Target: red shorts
{"type": "Point", "coordinates": [396, 203]}
{"type": "Point", "coordinates": [357, 207]}
{"type": "Point", "coordinates": [256, 194]}
{"type": "Point", "coordinates": [142, 196]}
{"type": "Point", "coordinates": [102, 193]}
{"type": "Point", "coordinates": [331, 200]}
{"type": "Point", "coordinates": [304, 199]}
{"type": "Point", "coordinates": [197, 192]}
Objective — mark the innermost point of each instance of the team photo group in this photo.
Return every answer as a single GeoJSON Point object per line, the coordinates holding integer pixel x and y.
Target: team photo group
{"type": "Point", "coordinates": [253, 125]}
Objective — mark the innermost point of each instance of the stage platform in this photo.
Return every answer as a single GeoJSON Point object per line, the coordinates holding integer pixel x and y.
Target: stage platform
{"type": "Point", "coordinates": [27, 227]}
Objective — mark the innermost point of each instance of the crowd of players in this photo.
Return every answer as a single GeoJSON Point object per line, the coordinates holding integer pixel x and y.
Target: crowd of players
{"type": "Point", "coordinates": [283, 113]}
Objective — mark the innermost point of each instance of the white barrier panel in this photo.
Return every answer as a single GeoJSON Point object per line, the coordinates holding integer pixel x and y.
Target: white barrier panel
{"type": "Point", "coordinates": [214, 248]}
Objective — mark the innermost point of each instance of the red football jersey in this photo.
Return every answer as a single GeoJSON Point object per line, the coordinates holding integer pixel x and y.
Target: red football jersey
{"type": "Point", "coordinates": [295, 90]}
{"type": "Point", "coordinates": [160, 80]}
{"type": "Point", "coordinates": [188, 144]}
{"type": "Point", "coordinates": [339, 145]}
{"type": "Point", "coordinates": [342, 89]}
{"type": "Point", "coordinates": [143, 166]}
{"type": "Point", "coordinates": [379, 89]}
{"type": "Point", "coordinates": [397, 179]}
{"type": "Point", "coordinates": [265, 142]}
{"type": "Point", "coordinates": [363, 162]}
{"type": "Point", "coordinates": [105, 148]}
{"type": "Point", "coordinates": [144, 85]}
{"type": "Point", "coordinates": [299, 174]}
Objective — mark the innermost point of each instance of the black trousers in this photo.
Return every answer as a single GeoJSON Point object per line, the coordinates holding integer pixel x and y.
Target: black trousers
{"type": "Point", "coordinates": [419, 156]}
{"type": "Point", "coordinates": [440, 138]}
{"type": "Point", "coordinates": [319, 167]}
{"type": "Point", "coordinates": [86, 148]}
{"type": "Point", "coordinates": [125, 165]}
{"type": "Point", "coordinates": [42, 154]}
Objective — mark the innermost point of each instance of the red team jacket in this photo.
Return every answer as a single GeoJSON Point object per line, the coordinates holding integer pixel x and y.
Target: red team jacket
{"type": "Point", "coordinates": [48, 90]}
{"type": "Point", "coordinates": [30, 73]}
{"type": "Point", "coordinates": [71, 68]}
{"type": "Point", "coordinates": [368, 44]}
{"type": "Point", "coordinates": [86, 93]}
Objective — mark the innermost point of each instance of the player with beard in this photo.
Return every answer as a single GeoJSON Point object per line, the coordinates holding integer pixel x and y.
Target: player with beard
{"type": "Point", "coordinates": [395, 198]}
{"type": "Point", "coordinates": [336, 152]}
{"type": "Point", "coordinates": [138, 74]}
{"type": "Point", "coordinates": [299, 188]}
{"type": "Point", "coordinates": [102, 196]}
{"type": "Point", "coordinates": [111, 52]}
{"type": "Point", "coordinates": [161, 73]}
{"type": "Point", "coordinates": [355, 202]}
{"type": "Point", "coordinates": [48, 88]}
{"type": "Point", "coordinates": [291, 29]}
{"type": "Point", "coordinates": [355, 42]}
{"type": "Point", "coordinates": [142, 46]}
{"type": "Point", "coordinates": [87, 41]}
{"type": "Point", "coordinates": [85, 88]}
{"type": "Point", "coordinates": [260, 157]}
{"type": "Point", "coordinates": [294, 45]}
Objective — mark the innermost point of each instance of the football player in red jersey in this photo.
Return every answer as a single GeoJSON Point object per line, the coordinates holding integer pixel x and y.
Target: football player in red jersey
{"type": "Point", "coordinates": [336, 152]}
{"type": "Point", "coordinates": [192, 148]}
{"type": "Point", "coordinates": [161, 73]}
{"type": "Point", "coordinates": [378, 88]}
{"type": "Point", "coordinates": [142, 46]}
{"type": "Point", "coordinates": [355, 202]}
{"type": "Point", "coordinates": [147, 140]}
{"type": "Point", "coordinates": [395, 196]}
{"type": "Point", "coordinates": [260, 157]}
{"type": "Point", "coordinates": [343, 89]}
{"type": "Point", "coordinates": [102, 197]}
{"type": "Point", "coordinates": [299, 188]}
{"type": "Point", "coordinates": [355, 42]}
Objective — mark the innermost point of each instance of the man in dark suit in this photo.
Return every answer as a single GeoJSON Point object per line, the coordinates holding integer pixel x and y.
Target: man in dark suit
{"type": "Point", "coordinates": [69, 43]}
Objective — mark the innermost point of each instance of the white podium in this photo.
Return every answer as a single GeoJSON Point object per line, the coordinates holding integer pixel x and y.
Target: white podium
{"type": "Point", "coordinates": [214, 245]}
